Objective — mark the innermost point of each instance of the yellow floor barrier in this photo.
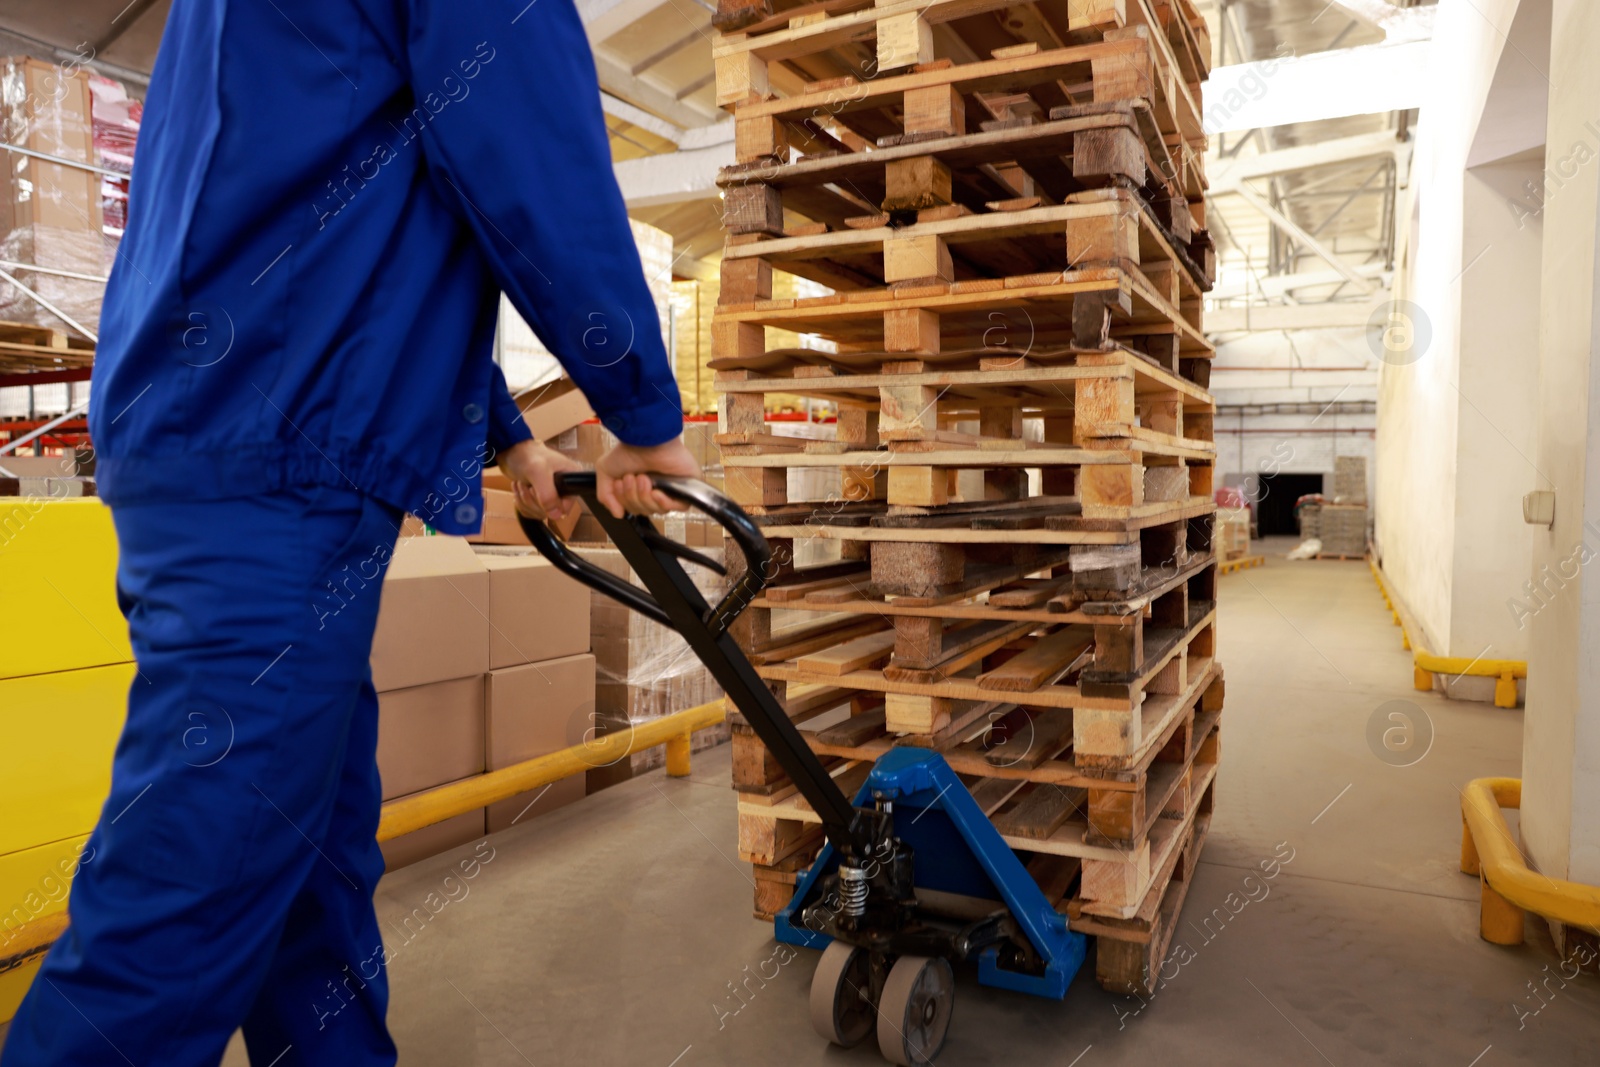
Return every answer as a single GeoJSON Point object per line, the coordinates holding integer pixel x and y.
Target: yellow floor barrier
{"type": "Point", "coordinates": [1508, 886]}
{"type": "Point", "coordinates": [1424, 664]}
{"type": "Point", "coordinates": [402, 816]}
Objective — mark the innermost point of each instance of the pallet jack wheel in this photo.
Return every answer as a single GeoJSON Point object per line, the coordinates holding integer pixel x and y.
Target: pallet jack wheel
{"type": "Point", "coordinates": [914, 1010]}
{"type": "Point", "coordinates": [841, 995]}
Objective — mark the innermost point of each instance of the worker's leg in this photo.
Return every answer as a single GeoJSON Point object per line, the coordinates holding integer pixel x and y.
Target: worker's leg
{"type": "Point", "coordinates": [252, 678]}
{"type": "Point", "coordinates": [325, 997]}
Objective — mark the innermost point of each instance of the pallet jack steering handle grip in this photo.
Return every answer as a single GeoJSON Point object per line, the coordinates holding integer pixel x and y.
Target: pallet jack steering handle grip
{"type": "Point", "coordinates": [690, 491]}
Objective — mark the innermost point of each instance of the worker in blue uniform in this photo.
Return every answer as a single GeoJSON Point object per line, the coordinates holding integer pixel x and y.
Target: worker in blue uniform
{"type": "Point", "coordinates": [296, 348]}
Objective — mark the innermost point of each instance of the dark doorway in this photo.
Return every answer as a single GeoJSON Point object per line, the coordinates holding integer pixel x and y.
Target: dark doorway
{"type": "Point", "coordinates": [1275, 504]}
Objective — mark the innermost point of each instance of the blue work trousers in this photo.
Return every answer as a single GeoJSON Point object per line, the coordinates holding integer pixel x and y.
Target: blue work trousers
{"type": "Point", "coordinates": [229, 882]}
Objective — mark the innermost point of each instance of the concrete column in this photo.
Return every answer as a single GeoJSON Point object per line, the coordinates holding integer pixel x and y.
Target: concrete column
{"type": "Point", "coordinates": [1497, 415]}
{"type": "Point", "coordinates": [1561, 734]}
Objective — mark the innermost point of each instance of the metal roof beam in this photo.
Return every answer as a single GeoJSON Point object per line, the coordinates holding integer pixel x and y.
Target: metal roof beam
{"type": "Point", "coordinates": [1227, 175]}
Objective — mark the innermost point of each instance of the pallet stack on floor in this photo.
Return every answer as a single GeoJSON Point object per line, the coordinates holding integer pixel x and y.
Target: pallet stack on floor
{"type": "Point", "coordinates": [1008, 204]}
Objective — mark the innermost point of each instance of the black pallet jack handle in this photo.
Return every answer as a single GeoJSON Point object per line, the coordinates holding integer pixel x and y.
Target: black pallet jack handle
{"type": "Point", "coordinates": [671, 598]}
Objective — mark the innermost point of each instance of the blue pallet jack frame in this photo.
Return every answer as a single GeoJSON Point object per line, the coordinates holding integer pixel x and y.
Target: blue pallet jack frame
{"type": "Point", "coordinates": [914, 877]}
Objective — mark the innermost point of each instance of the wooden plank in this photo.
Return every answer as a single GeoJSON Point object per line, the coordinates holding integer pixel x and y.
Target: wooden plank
{"type": "Point", "coordinates": [1028, 593]}
{"type": "Point", "coordinates": [855, 730]}
{"type": "Point", "coordinates": [1026, 745]}
{"type": "Point", "coordinates": [812, 639]}
{"type": "Point", "coordinates": [1039, 812]}
{"type": "Point", "coordinates": [955, 664]}
{"type": "Point", "coordinates": [854, 655]}
{"type": "Point", "coordinates": [991, 793]}
{"type": "Point", "coordinates": [1046, 660]}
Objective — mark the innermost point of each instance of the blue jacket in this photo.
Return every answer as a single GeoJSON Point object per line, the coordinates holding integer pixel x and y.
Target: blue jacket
{"type": "Point", "coordinates": [329, 196]}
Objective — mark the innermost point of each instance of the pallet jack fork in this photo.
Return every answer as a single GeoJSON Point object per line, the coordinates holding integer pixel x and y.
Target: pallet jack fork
{"type": "Point", "coordinates": [914, 876]}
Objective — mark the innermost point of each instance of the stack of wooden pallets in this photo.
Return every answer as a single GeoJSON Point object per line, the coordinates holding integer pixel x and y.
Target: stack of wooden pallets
{"type": "Point", "coordinates": [1007, 201]}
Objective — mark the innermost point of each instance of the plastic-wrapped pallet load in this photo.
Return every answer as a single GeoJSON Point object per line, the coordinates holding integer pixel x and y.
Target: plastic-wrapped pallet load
{"type": "Point", "coordinates": [1344, 529]}
{"type": "Point", "coordinates": [116, 118]}
{"type": "Point", "coordinates": [645, 670]}
{"type": "Point", "coordinates": [1233, 533]}
{"type": "Point", "coordinates": [1350, 479]}
{"type": "Point", "coordinates": [1308, 512]}
{"type": "Point", "coordinates": [50, 213]}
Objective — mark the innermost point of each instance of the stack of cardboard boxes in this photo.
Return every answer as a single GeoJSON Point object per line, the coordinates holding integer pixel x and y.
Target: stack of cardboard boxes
{"type": "Point", "coordinates": [643, 670]}
{"type": "Point", "coordinates": [480, 662]}
{"type": "Point", "coordinates": [50, 213]}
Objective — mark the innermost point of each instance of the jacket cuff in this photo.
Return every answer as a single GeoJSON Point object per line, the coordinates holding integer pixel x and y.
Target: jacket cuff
{"type": "Point", "coordinates": [647, 425]}
{"type": "Point", "coordinates": [507, 427]}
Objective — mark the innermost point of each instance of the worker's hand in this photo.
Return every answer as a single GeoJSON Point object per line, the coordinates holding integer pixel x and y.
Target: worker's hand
{"type": "Point", "coordinates": [623, 483]}
{"type": "Point", "coordinates": [532, 469]}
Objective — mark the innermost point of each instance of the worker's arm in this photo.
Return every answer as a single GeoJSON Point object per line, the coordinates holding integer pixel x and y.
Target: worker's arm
{"type": "Point", "coordinates": [517, 140]}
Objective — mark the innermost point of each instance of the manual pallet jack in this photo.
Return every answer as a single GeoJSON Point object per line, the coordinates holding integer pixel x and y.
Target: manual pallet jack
{"type": "Point", "coordinates": [913, 877]}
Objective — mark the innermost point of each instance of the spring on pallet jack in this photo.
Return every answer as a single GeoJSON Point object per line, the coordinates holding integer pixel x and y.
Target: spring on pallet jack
{"type": "Point", "coordinates": [853, 891]}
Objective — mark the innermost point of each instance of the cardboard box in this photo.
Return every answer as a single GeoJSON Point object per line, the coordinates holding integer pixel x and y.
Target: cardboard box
{"type": "Point", "coordinates": [536, 709]}
{"type": "Point", "coordinates": [58, 586]}
{"type": "Point", "coordinates": [430, 734]}
{"type": "Point", "coordinates": [432, 840]}
{"type": "Point", "coordinates": [535, 611]}
{"type": "Point", "coordinates": [554, 408]}
{"type": "Point", "coordinates": [501, 506]}
{"type": "Point", "coordinates": [434, 621]}
{"type": "Point", "coordinates": [50, 213]}
{"type": "Point", "coordinates": [585, 443]}
{"type": "Point", "coordinates": [500, 523]}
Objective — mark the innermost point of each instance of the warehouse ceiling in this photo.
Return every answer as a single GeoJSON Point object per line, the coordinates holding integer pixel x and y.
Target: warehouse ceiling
{"type": "Point", "coordinates": [119, 37]}
{"type": "Point", "coordinates": [1322, 233]}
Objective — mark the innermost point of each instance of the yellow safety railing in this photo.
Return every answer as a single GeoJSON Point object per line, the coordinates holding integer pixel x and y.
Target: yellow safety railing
{"type": "Point", "coordinates": [1509, 887]}
{"type": "Point", "coordinates": [402, 816]}
{"type": "Point", "coordinates": [1425, 664]}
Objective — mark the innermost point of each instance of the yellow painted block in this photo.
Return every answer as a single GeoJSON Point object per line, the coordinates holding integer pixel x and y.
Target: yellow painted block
{"type": "Point", "coordinates": [33, 884]}
{"type": "Point", "coordinates": [58, 565]}
{"type": "Point", "coordinates": [57, 735]}
{"type": "Point", "coordinates": [14, 986]}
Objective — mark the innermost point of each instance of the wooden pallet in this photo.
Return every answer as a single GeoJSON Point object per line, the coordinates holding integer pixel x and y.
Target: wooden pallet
{"type": "Point", "coordinates": [978, 527]}
{"type": "Point", "coordinates": [951, 560]}
{"type": "Point", "coordinates": [1123, 832]}
{"type": "Point", "coordinates": [27, 347]}
{"type": "Point", "coordinates": [1007, 238]}
{"type": "Point", "coordinates": [1129, 951]}
{"type": "Point", "coordinates": [1119, 681]}
{"type": "Point", "coordinates": [1243, 563]}
{"type": "Point", "coordinates": [1078, 151]}
{"type": "Point", "coordinates": [1340, 556]}
{"type": "Point", "coordinates": [1120, 433]}
{"type": "Point", "coordinates": [1090, 309]}
{"type": "Point", "coordinates": [930, 69]}
{"type": "Point", "coordinates": [1161, 565]}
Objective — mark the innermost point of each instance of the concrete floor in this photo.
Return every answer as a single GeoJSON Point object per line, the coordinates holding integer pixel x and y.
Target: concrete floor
{"type": "Point", "coordinates": [614, 931]}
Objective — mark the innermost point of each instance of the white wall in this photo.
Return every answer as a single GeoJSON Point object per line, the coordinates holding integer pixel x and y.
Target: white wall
{"type": "Point", "coordinates": [1319, 370]}
{"type": "Point", "coordinates": [1498, 385]}
{"type": "Point", "coordinates": [1560, 821]}
{"type": "Point", "coordinates": [1419, 470]}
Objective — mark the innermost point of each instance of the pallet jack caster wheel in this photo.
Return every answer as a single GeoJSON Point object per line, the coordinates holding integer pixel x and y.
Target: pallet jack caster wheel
{"type": "Point", "coordinates": [841, 995]}
{"type": "Point", "coordinates": [914, 1010]}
